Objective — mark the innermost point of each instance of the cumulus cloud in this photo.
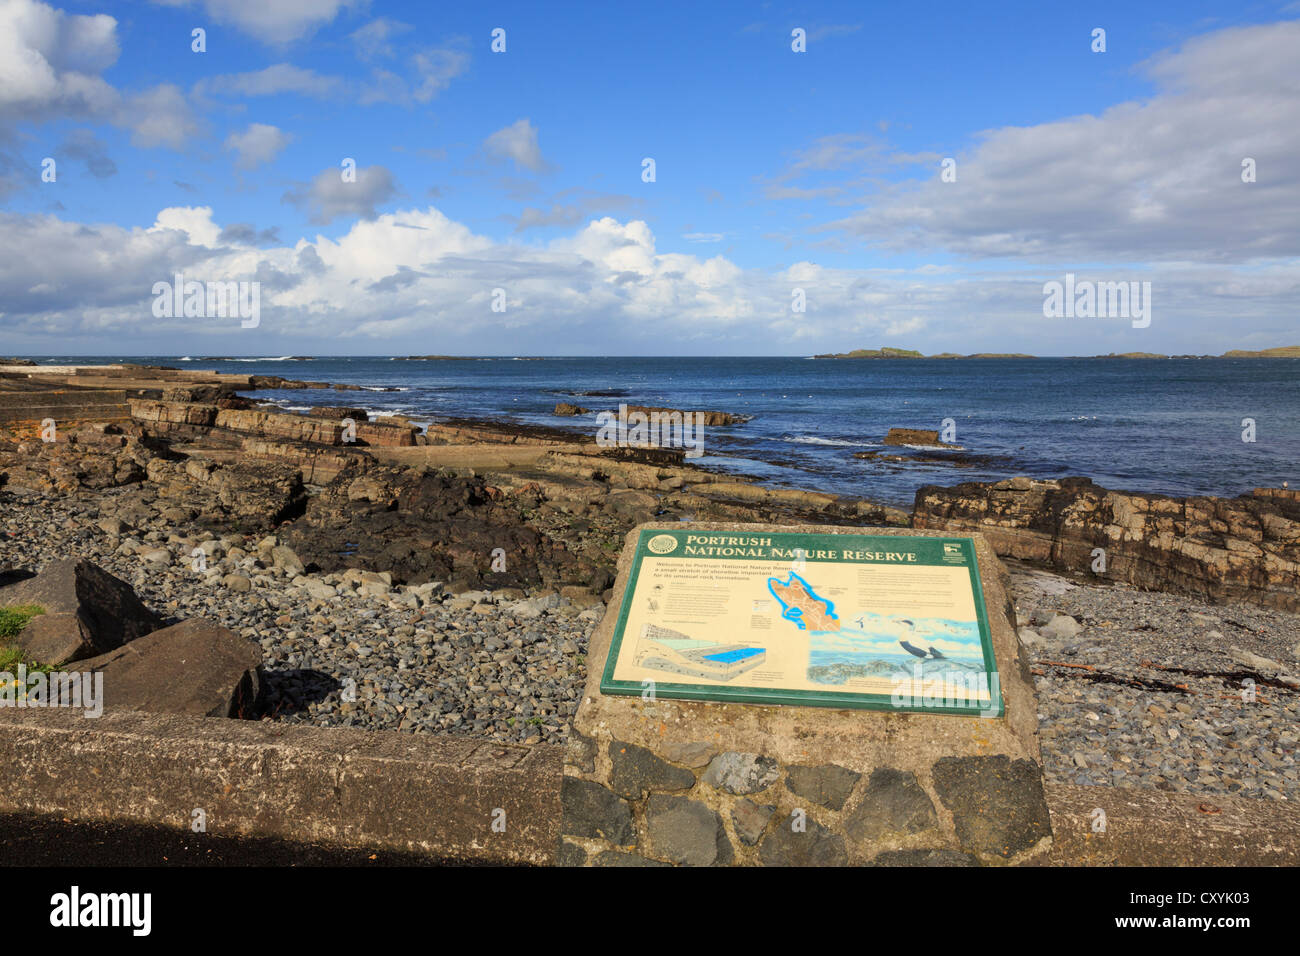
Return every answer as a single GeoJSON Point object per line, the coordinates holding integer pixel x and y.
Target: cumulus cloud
{"type": "Point", "coordinates": [518, 143]}
{"type": "Point", "coordinates": [1159, 179]}
{"type": "Point", "coordinates": [257, 145]}
{"type": "Point", "coordinates": [412, 276]}
{"type": "Point", "coordinates": [329, 196]}
{"type": "Point", "coordinates": [50, 61]}
{"type": "Point", "coordinates": [271, 21]}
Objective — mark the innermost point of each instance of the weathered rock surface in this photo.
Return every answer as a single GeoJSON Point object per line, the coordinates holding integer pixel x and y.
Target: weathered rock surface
{"type": "Point", "coordinates": [195, 667]}
{"type": "Point", "coordinates": [87, 611]}
{"type": "Point", "coordinates": [1217, 549]}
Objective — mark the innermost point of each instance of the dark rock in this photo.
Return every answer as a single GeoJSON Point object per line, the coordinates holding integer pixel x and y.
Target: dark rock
{"type": "Point", "coordinates": [570, 854]}
{"type": "Point", "coordinates": [195, 667]}
{"type": "Point", "coordinates": [750, 820]}
{"type": "Point", "coordinates": [813, 846]}
{"type": "Point", "coordinates": [997, 803]}
{"type": "Point", "coordinates": [685, 831]}
{"type": "Point", "coordinates": [87, 611]}
{"type": "Point", "coordinates": [589, 810]}
{"type": "Point", "coordinates": [619, 858]}
{"type": "Point", "coordinates": [636, 770]}
{"type": "Point", "coordinates": [827, 786]}
{"type": "Point", "coordinates": [923, 858]}
{"type": "Point", "coordinates": [892, 803]}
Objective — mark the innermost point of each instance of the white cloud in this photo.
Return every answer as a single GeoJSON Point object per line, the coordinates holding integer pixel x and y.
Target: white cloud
{"type": "Point", "coordinates": [407, 278]}
{"type": "Point", "coordinates": [50, 61]}
{"type": "Point", "coordinates": [1143, 181]}
{"type": "Point", "coordinates": [272, 21]}
{"type": "Point", "coordinates": [256, 145]}
{"type": "Point", "coordinates": [517, 142]}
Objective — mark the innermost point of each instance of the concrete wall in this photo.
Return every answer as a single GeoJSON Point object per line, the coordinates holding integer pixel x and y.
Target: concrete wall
{"type": "Point", "coordinates": [427, 794]}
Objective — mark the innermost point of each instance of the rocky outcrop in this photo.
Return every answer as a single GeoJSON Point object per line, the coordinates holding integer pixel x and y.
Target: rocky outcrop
{"type": "Point", "coordinates": [426, 526]}
{"type": "Point", "coordinates": [567, 408]}
{"type": "Point", "coordinates": [248, 496]}
{"type": "Point", "coordinates": [87, 611]}
{"type": "Point", "coordinates": [712, 419]}
{"type": "Point", "coordinates": [195, 667]}
{"type": "Point", "coordinates": [915, 436]}
{"type": "Point", "coordinates": [1218, 549]}
{"type": "Point", "coordinates": [95, 457]}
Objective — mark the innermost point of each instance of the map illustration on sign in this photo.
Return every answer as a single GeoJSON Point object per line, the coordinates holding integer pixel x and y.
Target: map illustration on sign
{"type": "Point", "coordinates": [843, 620]}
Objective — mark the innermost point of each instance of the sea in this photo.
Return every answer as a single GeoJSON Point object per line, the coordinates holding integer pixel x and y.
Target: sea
{"type": "Point", "coordinates": [1177, 426]}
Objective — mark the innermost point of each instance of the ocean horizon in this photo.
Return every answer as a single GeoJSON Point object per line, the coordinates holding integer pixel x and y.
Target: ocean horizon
{"type": "Point", "coordinates": [1168, 426]}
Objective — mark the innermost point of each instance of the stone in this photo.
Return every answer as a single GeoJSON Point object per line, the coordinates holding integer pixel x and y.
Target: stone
{"type": "Point", "coordinates": [750, 820]}
{"type": "Point", "coordinates": [87, 612]}
{"type": "Point", "coordinates": [239, 583]}
{"type": "Point", "coordinates": [741, 773]}
{"type": "Point", "coordinates": [1061, 627]}
{"type": "Point", "coordinates": [196, 667]}
{"type": "Point", "coordinates": [619, 858]}
{"type": "Point", "coordinates": [581, 752]}
{"type": "Point", "coordinates": [694, 755]}
{"type": "Point", "coordinates": [923, 858]}
{"type": "Point", "coordinates": [570, 854]}
{"type": "Point", "coordinates": [635, 770]}
{"type": "Point", "coordinates": [813, 846]}
{"type": "Point", "coordinates": [286, 558]}
{"type": "Point", "coordinates": [682, 830]}
{"type": "Point", "coordinates": [827, 786]}
{"type": "Point", "coordinates": [997, 803]}
{"type": "Point", "coordinates": [1030, 638]}
{"type": "Point", "coordinates": [893, 804]}
{"type": "Point", "coordinates": [591, 811]}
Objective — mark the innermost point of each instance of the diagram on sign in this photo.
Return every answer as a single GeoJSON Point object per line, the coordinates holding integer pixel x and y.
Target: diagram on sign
{"type": "Point", "coordinates": [662, 649]}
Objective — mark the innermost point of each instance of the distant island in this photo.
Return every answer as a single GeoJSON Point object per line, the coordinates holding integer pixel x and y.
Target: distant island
{"type": "Point", "coordinates": [1285, 351]}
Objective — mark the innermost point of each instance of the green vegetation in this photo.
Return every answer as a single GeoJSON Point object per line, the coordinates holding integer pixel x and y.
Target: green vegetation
{"type": "Point", "coordinates": [14, 619]}
{"type": "Point", "coordinates": [1285, 351]}
{"type": "Point", "coordinates": [882, 353]}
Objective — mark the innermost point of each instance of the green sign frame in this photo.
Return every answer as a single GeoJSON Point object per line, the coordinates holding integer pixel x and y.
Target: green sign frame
{"type": "Point", "coordinates": [812, 550]}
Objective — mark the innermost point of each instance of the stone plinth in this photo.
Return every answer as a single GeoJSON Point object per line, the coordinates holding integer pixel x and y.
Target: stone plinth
{"type": "Point", "coordinates": [655, 782]}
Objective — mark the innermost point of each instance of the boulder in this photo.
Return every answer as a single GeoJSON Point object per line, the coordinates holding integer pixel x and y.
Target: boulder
{"type": "Point", "coordinates": [915, 436]}
{"type": "Point", "coordinates": [565, 408]}
{"type": "Point", "coordinates": [196, 667]}
{"type": "Point", "coordinates": [87, 611]}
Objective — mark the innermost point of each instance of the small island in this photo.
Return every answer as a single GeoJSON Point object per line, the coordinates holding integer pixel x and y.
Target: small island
{"type": "Point", "coordinates": [1286, 351]}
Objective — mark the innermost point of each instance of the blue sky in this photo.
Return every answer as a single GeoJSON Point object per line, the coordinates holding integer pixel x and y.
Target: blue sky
{"type": "Point", "coordinates": [775, 170]}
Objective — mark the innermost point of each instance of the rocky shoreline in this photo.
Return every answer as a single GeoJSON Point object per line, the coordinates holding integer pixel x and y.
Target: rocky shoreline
{"type": "Point", "coordinates": [448, 580]}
